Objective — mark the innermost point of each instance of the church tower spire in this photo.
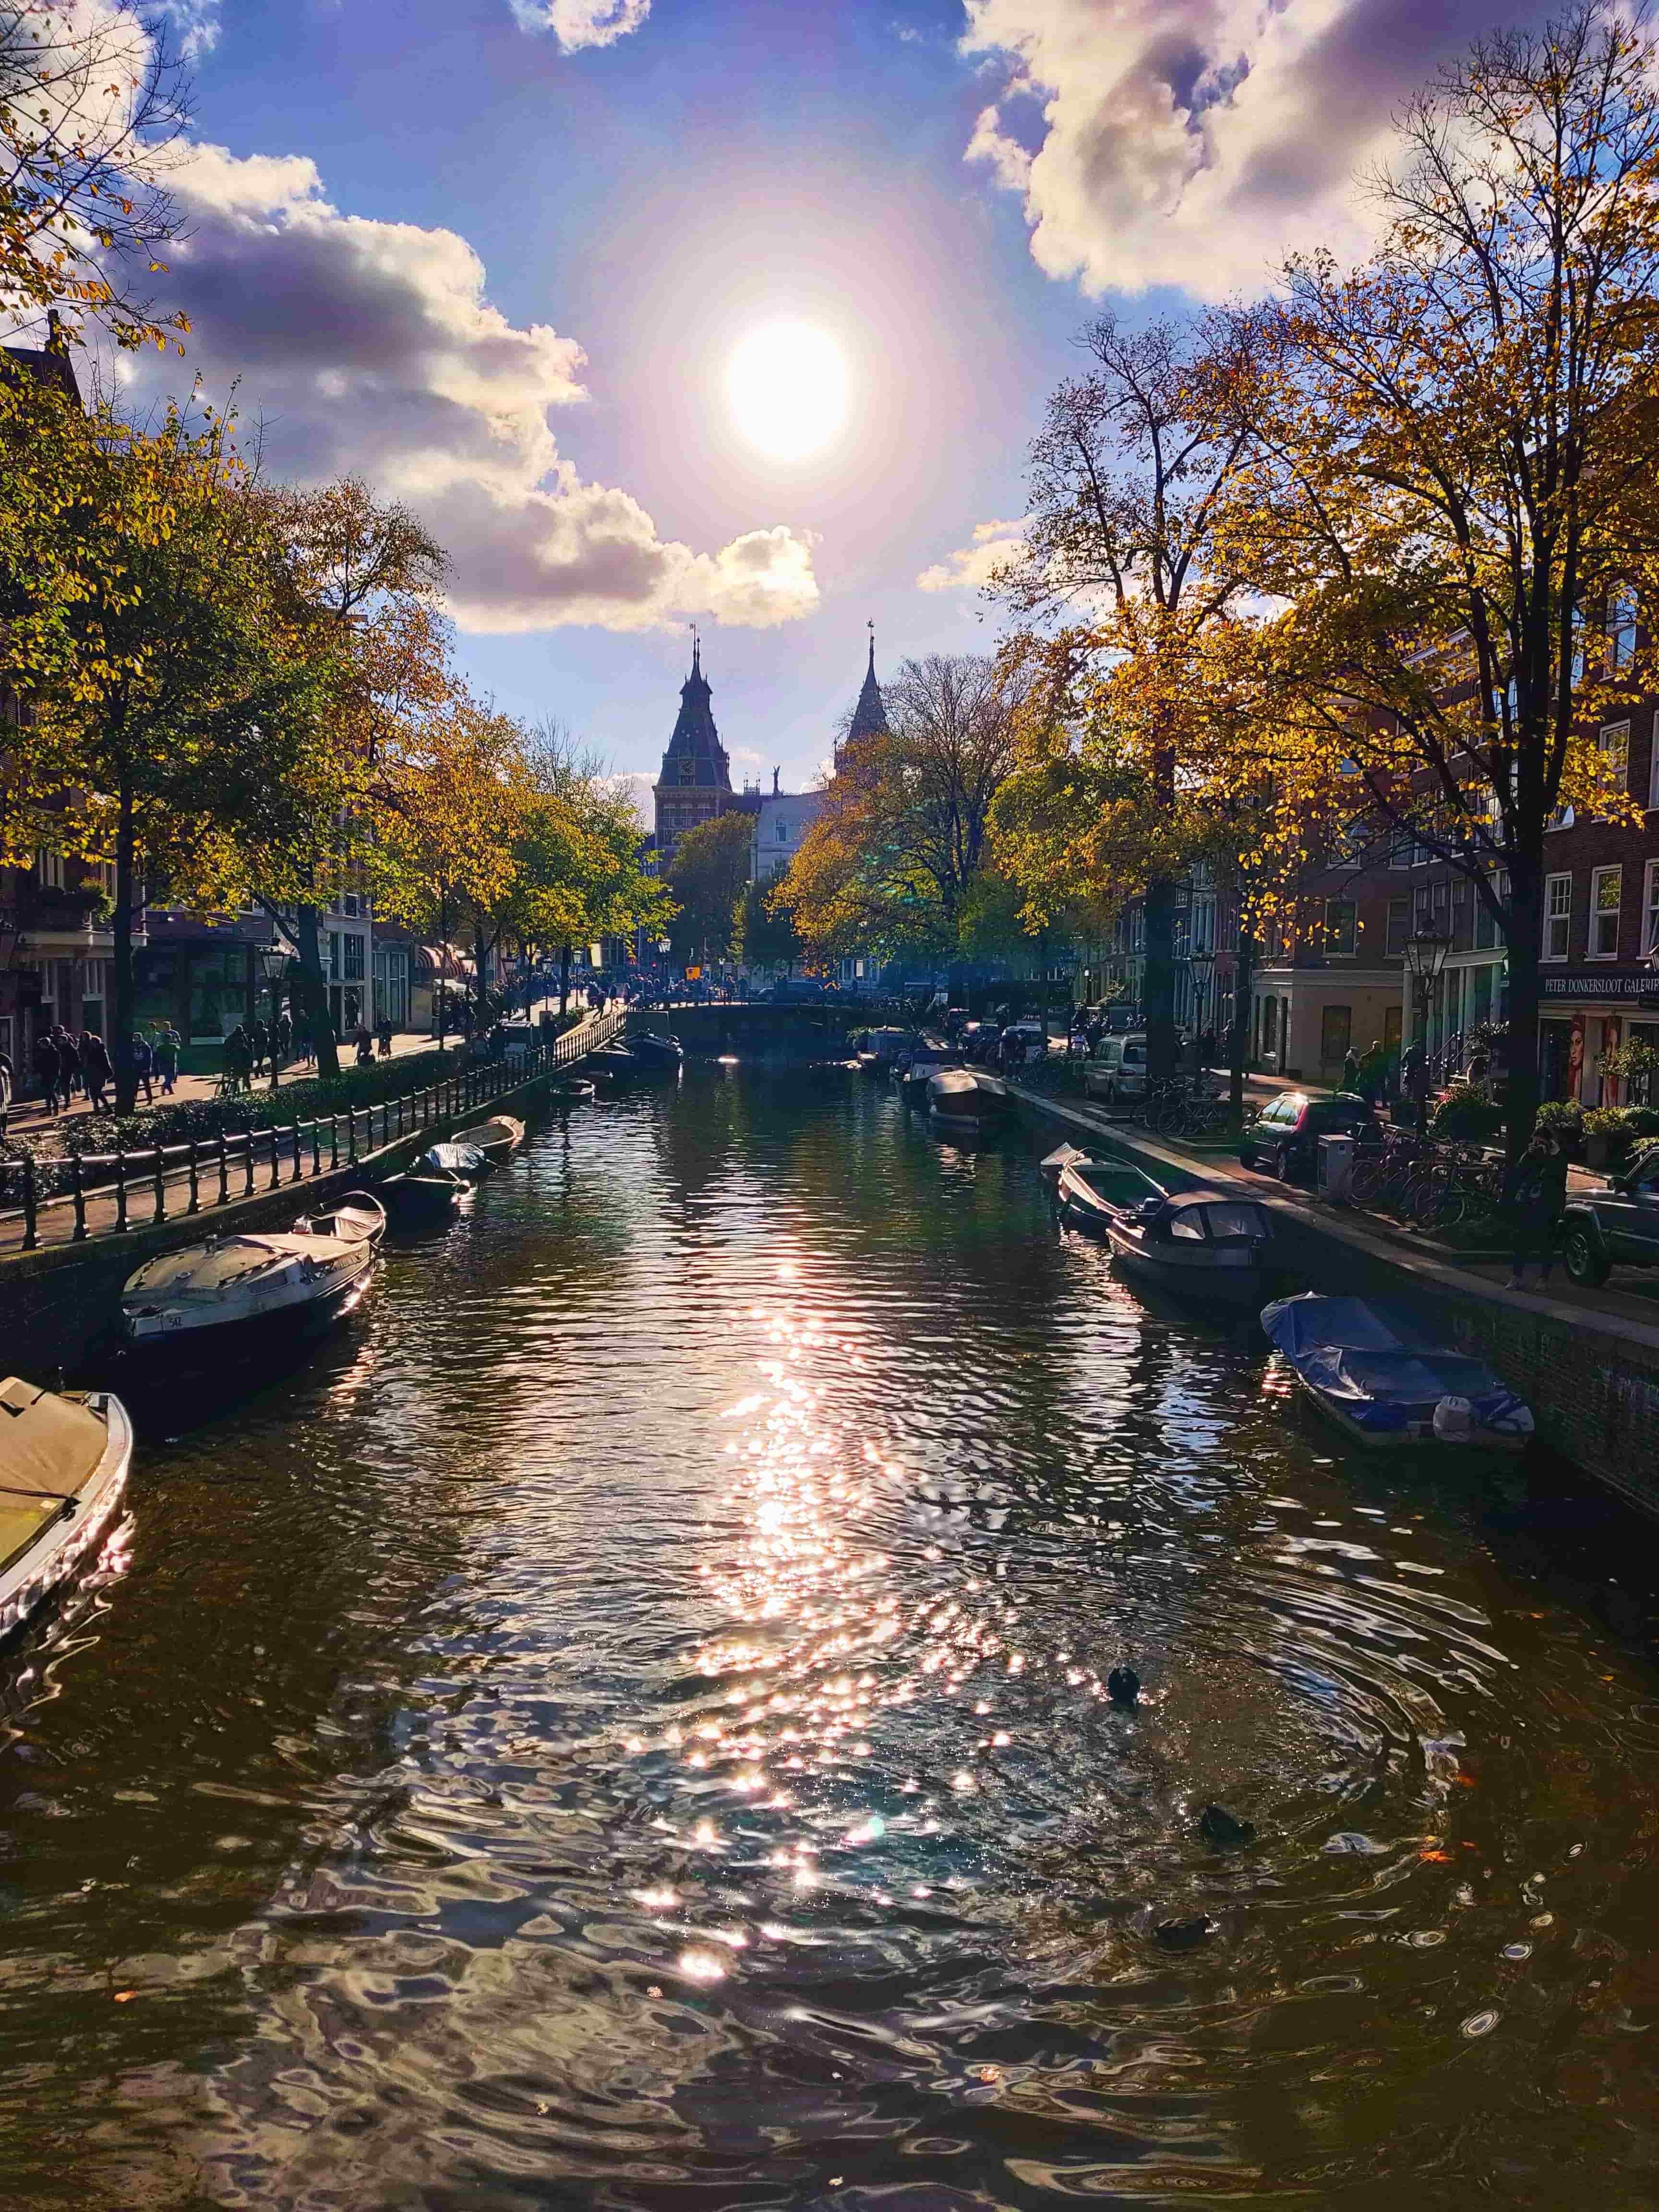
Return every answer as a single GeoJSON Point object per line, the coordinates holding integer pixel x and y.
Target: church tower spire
{"type": "Point", "coordinates": [870, 716]}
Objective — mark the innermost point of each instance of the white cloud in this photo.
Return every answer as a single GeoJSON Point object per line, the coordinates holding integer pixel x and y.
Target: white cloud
{"type": "Point", "coordinates": [970, 567]}
{"type": "Point", "coordinates": [372, 347]}
{"type": "Point", "coordinates": [1193, 143]}
{"type": "Point", "coordinates": [579, 24]}
{"type": "Point", "coordinates": [196, 24]}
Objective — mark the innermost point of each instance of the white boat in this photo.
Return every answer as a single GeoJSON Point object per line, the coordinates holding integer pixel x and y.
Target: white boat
{"type": "Point", "coordinates": [234, 1293]}
{"type": "Point", "coordinates": [63, 1461]}
{"type": "Point", "coordinates": [497, 1139]}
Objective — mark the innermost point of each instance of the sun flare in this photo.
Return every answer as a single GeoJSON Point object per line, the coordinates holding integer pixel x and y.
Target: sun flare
{"type": "Point", "coordinates": [786, 384]}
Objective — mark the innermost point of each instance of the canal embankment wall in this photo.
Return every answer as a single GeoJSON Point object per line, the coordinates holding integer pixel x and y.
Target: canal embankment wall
{"type": "Point", "coordinates": [1590, 1376]}
{"type": "Point", "coordinates": [59, 1303]}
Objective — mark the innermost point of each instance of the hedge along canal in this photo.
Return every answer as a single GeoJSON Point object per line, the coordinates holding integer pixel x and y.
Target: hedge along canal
{"type": "Point", "coordinates": [1591, 1378]}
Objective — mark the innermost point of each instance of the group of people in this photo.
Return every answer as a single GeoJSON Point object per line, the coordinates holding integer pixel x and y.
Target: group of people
{"type": "Point", "coordinates": [64, 1063]}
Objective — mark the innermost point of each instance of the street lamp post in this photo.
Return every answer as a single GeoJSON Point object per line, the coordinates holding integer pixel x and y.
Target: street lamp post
{"type": "Point", "coordinates": [1425, 956]}
{"type": "Point", "coordinates": [273, 959]}
{"type": "Point", "coordinates": [1203, 966]}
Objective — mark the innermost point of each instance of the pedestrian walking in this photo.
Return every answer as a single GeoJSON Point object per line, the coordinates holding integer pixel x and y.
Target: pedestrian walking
{"type": "Point", "coordinates": [69, 1071]}
{"type": "Point", "coordinates": [168, 1045]}
{"type": "Point", "coordinates": [384, 1034]}
{"type": "Point", "coordinates": [284, 1037]}
{"type": "Point", "coordinates": [259, 1038]}
{"type": "Point", "coordinates": [143, 1068]}
{"type": "Point", "coordinates": [1372, 1072]}
{"type": "Point", "coordinates": [8, 1084]}
{"type": "Point", "coordinates": [1416, 1084]}
{"type": "Point", "coordinates": [1350, 1070]}
{"type": "Point", "coordinates": [238, 1060]}
{"type": "Point", "coordinates": [365, 1044]}
{"type": "Point", "coordinates": [1537, 1194]}
{"type": "Point", "coordinates": [95, 1070]}
{"type": "Point", "coordinates": [48, 1069]}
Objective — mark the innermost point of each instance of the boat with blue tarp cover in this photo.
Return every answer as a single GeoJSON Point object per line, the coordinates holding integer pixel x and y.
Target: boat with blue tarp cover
{"type": "Point", "coordinates": [1386, 1382]}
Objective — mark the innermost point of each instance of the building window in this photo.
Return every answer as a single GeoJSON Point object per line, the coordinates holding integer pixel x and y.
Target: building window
{"type": "Point", "coordinates": [49, 866]}
{"type": "Point", "coordinates": [334, 956]}
{"type": "Point", "coordinates": [1604, 913]}
{"type": "Point", "coordinates": [1339, 926]}
{"type": "Point", "coordinates": [1400, 856]}
{"type": "Point", "coordinates": [353, 957]}
{"type": "Point", "coordinates": [1650, 909]}
{"type": "Point", "coordinates": [1613, 745]}
{"type": "Point", "coordinates": [1621, 628]}
{"type": "Point", "coordinates": [1399, 924]}
{"type": "Point", "coordinates": [1558, 917]}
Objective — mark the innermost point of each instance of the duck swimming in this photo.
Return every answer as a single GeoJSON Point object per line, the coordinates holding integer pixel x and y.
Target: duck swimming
{"type": "Point", "coordinates": [1123, 1686]}
{"type": "Point", "coordinates": [1185, 1934]}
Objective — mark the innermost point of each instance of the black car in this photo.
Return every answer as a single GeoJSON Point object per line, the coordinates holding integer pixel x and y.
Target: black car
{"type": "Point", "coordinates": [1284, 1138]}
{"type": "Point", "coordinates": [1615, 1227]}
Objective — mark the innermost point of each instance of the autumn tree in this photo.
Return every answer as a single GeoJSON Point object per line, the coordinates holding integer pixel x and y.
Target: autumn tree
{"type": "Point", "coordinates": [362, 578]}
{"type": "Point", "coordinates": [93, 105]}
{"type": "Point", "coordinates": [888, 864]}
{"type": "Point", "coordinates": [706, 880]}
{"type": "Point", "coordinates": [1450, 490]}
{"type": "Point", "coordinates": [1121, 551]}
{"type": "Point", "coordinates": [184, 697]}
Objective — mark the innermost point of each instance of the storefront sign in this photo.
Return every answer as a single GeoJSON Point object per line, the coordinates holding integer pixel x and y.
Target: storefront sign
{"type": "Point", "coordinates": [1627, 984]}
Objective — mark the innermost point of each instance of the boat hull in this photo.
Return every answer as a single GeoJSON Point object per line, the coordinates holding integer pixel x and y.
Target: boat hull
{"type": "Point", "coordinates": [1414, 1435]}
{"type": "Point", "coordinates": [27, 1584]}
{"type": "Point", "coordinates": [235, 1337]}
{"type": "Point", "coordinates": [1214, 1281]}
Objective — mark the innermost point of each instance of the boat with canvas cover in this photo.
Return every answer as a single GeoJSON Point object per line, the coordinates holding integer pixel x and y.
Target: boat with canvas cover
{"type": "Point", "coordinates": [498, 1139]}
{"type": "Point", "coordinates": [1199, 1243]}
{"type": "Point", "coordinates": [453, 1158]}
{"type": "Point", "coordinates": [964, 1101]}
{"type": "Point", "coordinates": [259, 1288]}
{"type": "Point", "coordinates": [1387, 1382]}
{"type": "Point", "coordinates": [356, 1218]}
{"type": "Point", "coordinates": [63, 1461]}
{"type": "Point", "coordinates": [652, 1052]}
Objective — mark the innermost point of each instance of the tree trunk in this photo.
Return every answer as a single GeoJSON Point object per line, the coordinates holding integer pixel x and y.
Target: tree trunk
{"type": "Point", "coordinates": [1523, 940]}
{"type": "Point", "coordinates": [564, 978]}
{"type": "Point", "coordinates": [314, 990]}
{"type": "Point", "coordinates": [1157, 987]}
{"type": "Point", "coordinates": [1238, 1047]}
{"type": "Point", "coordinates": [121, 1009]}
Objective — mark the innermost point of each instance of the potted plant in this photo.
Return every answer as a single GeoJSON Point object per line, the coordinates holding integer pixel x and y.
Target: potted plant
{"type": "Point", "coordinates": [1607, 1137]}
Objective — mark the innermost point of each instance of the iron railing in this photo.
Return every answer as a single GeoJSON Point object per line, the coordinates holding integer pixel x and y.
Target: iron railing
{"type": "Point", "coordinates": [220, 1170]}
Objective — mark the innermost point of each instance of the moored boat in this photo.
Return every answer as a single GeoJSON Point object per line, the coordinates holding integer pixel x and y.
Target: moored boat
{"type": "Point", "coordinates": [423, 1196]}
{"type": "Point", "coordinates": [498, 1139]}
{"type": "Point", "coordinates": [357, 1218]}
{"type": "Point", "coordinates": [63, 1461]}
{"type": "Point", "coordinates": [260, 1287]}
{"type": "Point", "coordinates": [965, 1102]}
{"type": "Point", "coordinates": [1386, 1382]}
{"type": "Point", "coordinates": [575, 1091]}
{"type": "Point", "coordinates": [1051, 1165]}
{"type": "Point", "coordinates": [1092, 1194]}
{"type": "Point", "coordinates": [656, 1052]}
{"type": "Point", "coordinates": [453, 1158]}
{"type": "Point", "coordinates": [927, 1061]}
{"type": "Point", "coordinates": [1200, 1243]}
{"type": "Point", "coordinates": [877, 1050]}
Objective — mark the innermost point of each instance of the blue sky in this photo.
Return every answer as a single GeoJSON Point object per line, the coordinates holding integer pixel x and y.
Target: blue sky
{"type": "Point", "coordinates": [637, 203]}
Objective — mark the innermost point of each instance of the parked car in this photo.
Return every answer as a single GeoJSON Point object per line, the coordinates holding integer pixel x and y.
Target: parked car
{"type": "Point", "coordinates": [1618, 1227]}
{"type": "Point", "coordinates": [1284, 1138]}
{"type": "Point", "coordinates": [1116, 1072]}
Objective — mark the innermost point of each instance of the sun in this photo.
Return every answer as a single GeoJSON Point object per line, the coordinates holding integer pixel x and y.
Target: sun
{"type": "Point", "coordinates": [786, 384]}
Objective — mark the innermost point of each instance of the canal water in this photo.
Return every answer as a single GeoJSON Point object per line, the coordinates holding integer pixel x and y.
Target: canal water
{"type": "Point", "coordinates": [623, 1725]}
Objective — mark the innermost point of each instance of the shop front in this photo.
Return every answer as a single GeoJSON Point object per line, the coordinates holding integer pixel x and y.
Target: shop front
{"type": "Point", "coordinates": [1588, 1013]}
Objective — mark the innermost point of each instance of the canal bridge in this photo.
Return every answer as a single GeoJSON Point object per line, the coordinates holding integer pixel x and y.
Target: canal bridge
{"type": "Point", "coordinates": [817, 1030]}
